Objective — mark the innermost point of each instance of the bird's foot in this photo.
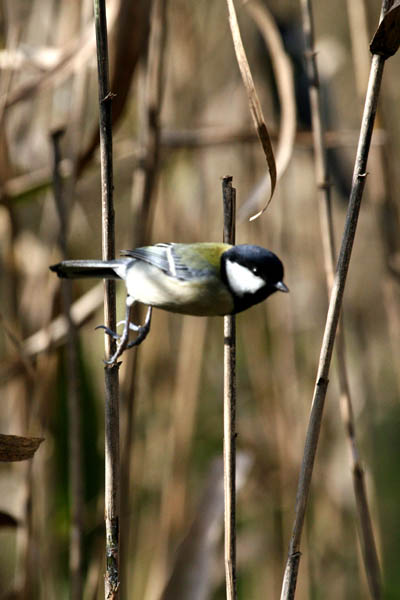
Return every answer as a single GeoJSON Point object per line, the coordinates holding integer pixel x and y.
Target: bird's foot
{"type": "Point", "coordinates": [108, 331]}
{"type": "Point", "coordinates": [143, 330]}
{"type": "Point", "coordinates": [123, 344]}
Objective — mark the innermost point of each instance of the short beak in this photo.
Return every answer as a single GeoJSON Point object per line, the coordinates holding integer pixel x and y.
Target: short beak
{"type": "Point", "coordinates": [281, 287]}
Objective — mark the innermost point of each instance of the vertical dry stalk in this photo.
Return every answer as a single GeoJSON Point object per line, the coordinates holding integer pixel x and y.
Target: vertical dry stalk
{"type": "Point", "coordinates": [143, 187]}
{"type": "Point", "coordinates": [359, 38]}
{"type": "Point", "coordinates": [112, 472]}
{"type": "Point", "coordinates": [176, 468]}
{"type": "Point", "coordinates": [384, 190]}
{"type": "Point", "coordinates": [359, 177]}
{"type": "Point", "coordinates": [74, 414]}
{"type": "Point", "coordinates": [367, 537]}
{"type": "Point", "coordinates": [229, 199]}
{"type": "Point", "coordinates": [146, 177]}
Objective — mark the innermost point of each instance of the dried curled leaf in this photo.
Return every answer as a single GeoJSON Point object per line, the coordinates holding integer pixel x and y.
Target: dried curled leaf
{"type": "Point", "coordinates": [255, 106]}
{"type": "Point", "coordinates": [386, 40]}
{"type": "Point", "coordinates": [16, 447]}
{"type": "Point", "coordinates": [7, 520]}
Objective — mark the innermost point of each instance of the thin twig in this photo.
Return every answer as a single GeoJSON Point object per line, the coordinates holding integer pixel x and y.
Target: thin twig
{"type": "Point", "coordinates": [74, 414]}
{"type": "Point", "coordinates": [359, 177]}
{"type": "Point", "coordinates": [229, 199]}
{"type": "Point", "coordinates": [326, 222]}
{"type": "Point", "coordinates": [112, 470]}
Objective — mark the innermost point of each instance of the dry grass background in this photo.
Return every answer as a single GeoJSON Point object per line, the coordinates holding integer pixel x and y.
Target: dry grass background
{"type": "Point", "coordinates": [171, 392]}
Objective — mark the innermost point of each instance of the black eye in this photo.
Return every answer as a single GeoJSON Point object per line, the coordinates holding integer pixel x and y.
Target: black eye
{"type": "Point", "coordinates": [255, 270]}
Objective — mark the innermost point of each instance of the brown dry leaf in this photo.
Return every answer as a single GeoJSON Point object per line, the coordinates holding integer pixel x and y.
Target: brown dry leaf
{"type": "Point", "coordinates": [16, 447]}
{"type": "Point", "coordinates": [386, 40]}
{"type": "Point", "coordinates": [7, 520]}
{"type": "Point", "coordinates": [255, 106]}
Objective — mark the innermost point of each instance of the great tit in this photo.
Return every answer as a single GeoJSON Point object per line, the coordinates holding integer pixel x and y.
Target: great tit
{"type": "Point", "coordinates": [203, 279]}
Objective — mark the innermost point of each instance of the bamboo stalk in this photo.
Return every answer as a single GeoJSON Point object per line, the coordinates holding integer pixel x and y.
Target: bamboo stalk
{"type": "Point", "coordinates": [112, 470]}
{"type": "Point", "coordinates": [229, 197]}
{"type": "Point", "coordinates": [359, 178]}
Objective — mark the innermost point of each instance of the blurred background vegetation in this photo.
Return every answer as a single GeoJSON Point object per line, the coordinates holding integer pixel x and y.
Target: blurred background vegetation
{"type": "Point", "coordinates": [169, 158]}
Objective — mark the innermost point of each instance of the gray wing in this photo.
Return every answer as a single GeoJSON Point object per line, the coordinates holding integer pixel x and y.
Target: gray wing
{"type": "Point", "coordinates": [164, 257]}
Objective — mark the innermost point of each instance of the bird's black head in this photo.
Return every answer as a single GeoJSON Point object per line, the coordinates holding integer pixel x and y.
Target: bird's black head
{"type": "Point", "coordinates": [252, 274]}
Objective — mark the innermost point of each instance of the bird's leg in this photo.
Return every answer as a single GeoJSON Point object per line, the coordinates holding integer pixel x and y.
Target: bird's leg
{"type": "Point", "coordinates": [123, 338]}
{"type": "Point", "coordinates": [123, 344]}
{"type": "Point", "coordinates": [143, 330]}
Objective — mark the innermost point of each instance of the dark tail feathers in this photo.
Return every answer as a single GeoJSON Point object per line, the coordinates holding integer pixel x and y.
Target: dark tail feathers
{"type": "Point", "coordinates": [76, 269]}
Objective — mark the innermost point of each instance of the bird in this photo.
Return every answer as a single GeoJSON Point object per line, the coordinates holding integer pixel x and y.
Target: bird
{"type": "Point", "coordinates": [201, 279]}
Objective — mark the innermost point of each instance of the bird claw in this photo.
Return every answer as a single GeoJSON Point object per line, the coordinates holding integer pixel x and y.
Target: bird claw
{"type": "Point", "coordinates": [143, 332]}
{"type": "Point", "coordinates": [112, 361]}
{"type": "Point", "coordinates": [108, 331]}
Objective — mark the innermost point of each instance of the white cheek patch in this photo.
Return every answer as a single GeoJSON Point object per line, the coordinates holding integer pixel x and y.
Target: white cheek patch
{"type": "Point", "coordinates": [241, 280]}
